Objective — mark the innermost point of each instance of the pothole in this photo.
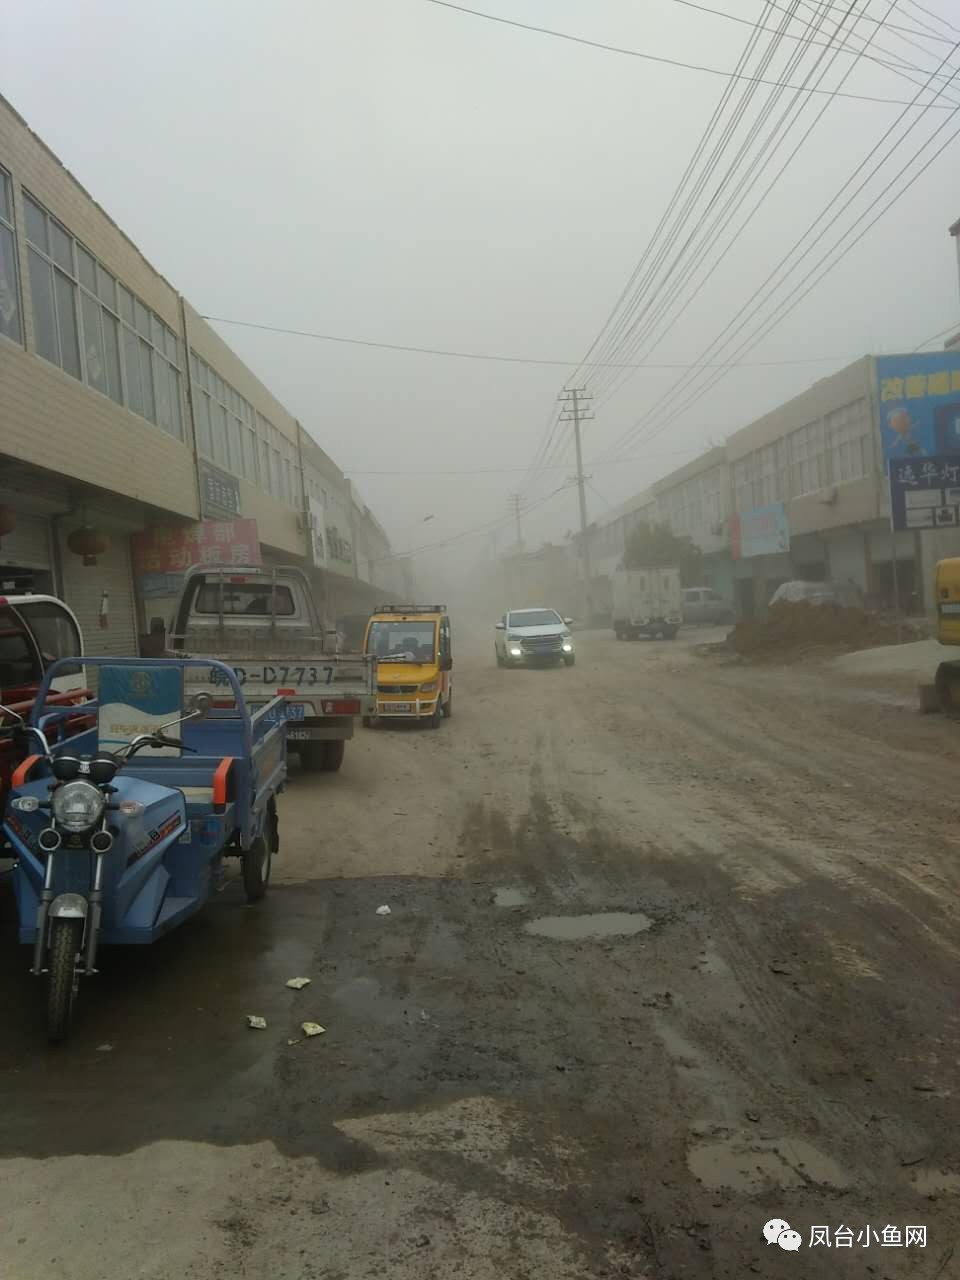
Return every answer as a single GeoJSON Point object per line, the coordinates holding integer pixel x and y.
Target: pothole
{"type": "Point", "coordinates": [510, 897]}
{"type": "Point", "coordinates": [611, 924]}
{"type": "Point", "coordinates": [744, 1165]}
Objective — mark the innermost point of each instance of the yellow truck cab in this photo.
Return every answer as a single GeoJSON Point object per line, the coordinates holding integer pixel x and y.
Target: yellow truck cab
{"type": "Point", "coordinates": [412, 645]}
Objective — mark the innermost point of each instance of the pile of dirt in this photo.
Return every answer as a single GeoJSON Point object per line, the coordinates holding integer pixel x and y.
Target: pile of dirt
{"type": "Point", "coordinates": [791, 628]}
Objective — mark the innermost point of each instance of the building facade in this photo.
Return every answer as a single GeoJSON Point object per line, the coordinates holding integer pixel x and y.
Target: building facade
{"type": "Point", "coordinates": [802, 492]}
{"type": "Point", "coordinates": [122, 411]}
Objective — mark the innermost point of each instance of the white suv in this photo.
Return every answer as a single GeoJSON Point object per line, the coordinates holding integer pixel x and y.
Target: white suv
{"type": "Point", "coordinates": [533, 635]}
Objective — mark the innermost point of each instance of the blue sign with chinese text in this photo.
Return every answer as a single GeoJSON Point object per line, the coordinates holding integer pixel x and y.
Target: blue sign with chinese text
{"type": "Point", "coordinates": [919, 404]}
{"type": "Point", "coordinates": [925, 492]}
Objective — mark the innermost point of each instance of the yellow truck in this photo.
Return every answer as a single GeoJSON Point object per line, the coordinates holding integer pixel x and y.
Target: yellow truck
{"type": "Point", "coordinates": [412, 646]}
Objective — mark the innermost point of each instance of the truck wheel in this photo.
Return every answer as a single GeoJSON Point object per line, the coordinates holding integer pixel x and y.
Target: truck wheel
{"type": "Point", "coordinates": [500, 662]}
{"type": "Point", "coordinates": [311, 756]}
{"type": "Point", "coordinates": [569, 660]}
{"type": "Point", "coordinates": [436, 720]}
{"type": "Point", "coordinates": [331, 755]}
{"type": "Point", "coordinates": [255, 864]}
{"type": "Point", "coordinates": [367, 722]}
{"type": "Point", "coordinates": [448, 705]}
{"type": "Point", "coordinates": [671, 633]}
{"type": "Point", "coordinates": [66, 938]}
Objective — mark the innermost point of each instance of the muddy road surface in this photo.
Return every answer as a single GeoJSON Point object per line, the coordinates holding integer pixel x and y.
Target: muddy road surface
{"type": "Point", "coordinates": [672, 952]}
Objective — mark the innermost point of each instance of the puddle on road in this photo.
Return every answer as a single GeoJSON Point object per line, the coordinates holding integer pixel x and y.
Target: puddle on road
{"type": "Point", "coordinates": [749, 1166]}
{"type": "Point", "coordinates": [612, 924]}
{"type": "Point", "coordinates": [510, 897]}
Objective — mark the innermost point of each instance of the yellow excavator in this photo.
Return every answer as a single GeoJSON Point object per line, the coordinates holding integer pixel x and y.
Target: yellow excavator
{"type": "Point", "coordinates": [947, 679]}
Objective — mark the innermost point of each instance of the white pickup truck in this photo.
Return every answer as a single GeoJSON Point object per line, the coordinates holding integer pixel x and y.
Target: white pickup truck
{"type": "Point", "coordinates": [264, 622]}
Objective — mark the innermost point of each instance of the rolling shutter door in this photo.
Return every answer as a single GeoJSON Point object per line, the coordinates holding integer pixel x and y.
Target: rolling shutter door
{"type": "Point", "coordinates": [28, 547]}
{"type": "Point", "coordinates": [82, 588]}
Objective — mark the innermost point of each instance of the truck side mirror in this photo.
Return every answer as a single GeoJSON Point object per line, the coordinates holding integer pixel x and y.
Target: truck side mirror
{"type": "Point", "coordinates": [500, 626]}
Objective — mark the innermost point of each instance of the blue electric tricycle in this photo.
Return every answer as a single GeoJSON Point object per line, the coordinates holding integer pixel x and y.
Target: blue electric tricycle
{"type": "Point", "coordinates": [120, 831]}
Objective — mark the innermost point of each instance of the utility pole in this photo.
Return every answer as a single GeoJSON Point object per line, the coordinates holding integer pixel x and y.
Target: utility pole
{"type": "Point", "coordinates": [573, 401]}
{"type": "Point", "coordinates": [516, 499]}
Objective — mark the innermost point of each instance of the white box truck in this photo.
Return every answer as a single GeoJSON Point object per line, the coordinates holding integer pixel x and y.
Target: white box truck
{"type": "Point", "coordinates": [647, 602]}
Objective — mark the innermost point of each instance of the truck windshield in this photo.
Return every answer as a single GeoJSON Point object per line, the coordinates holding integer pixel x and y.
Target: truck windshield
{"type": "Point", "coordinates": [402, 641]}
{"type": "Point", "coordinates": [535, 618]}
{"type": "Point", "coordinates": [244, 598]}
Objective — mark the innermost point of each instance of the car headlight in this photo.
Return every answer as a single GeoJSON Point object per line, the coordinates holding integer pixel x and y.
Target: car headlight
{"type": "Point", "coordinates": [429, 687]}
{"type": "Point", "coordinates": [567, 646]}
{"type": "Point", "coordinates": [77, 806]}
{"type": "Point", "coordinates": [516, 651]}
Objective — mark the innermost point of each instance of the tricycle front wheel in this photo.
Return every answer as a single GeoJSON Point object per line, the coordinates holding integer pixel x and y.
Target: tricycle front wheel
{"type": "Point", "coordinates": [66, 938]}
{"type": "Point", "coordinates": [255, 863]}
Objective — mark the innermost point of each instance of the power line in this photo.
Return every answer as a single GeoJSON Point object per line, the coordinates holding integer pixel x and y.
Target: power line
{"type": "Point", "coordinates": [602, 338]}
{"type": "Point", "coordinates": [732, 17]}
{"type": "Point", "coordinates": [712, 233]}
{"type": "Point", "coordinates": [641, 317]}
{"type": "Point", "coordinates": [765, 291]}
{"type": "Point", "coordinates": [866, 17]}
{"type": "Point", "coordinates": [649, 57]}
{"type": "Point", "coordinates": [947, 26]}
{"type": "Point", "coordinates": [951, 328]}
{"type": "Point", "coordinates": [479, 355]}
{"type": "Point", "coordinates": [793, 300]}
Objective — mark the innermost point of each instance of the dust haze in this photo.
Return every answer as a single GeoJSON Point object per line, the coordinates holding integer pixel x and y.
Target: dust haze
{"type": "Point", "coordinates": [400, 172]}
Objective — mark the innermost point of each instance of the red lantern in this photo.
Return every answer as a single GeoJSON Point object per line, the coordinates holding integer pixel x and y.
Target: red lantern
{"type": "Point", "coordinates": [8, 521]}
{"type": "Point", "coordinates": [89, 543]}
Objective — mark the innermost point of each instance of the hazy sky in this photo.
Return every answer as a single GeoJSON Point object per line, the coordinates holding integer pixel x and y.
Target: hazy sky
{"type": "Point", "coordinates": [396, 171]}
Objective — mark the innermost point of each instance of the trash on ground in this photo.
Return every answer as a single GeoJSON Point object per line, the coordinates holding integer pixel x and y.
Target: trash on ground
{"type": "Point", "coordinates": [256, 1023]}
{"type": "Point", "coordinates": [298, 983]}
{"type": "Point", "coordinates": [312, 1028]}
{"type": "Point", "coordinates": [383, 911]}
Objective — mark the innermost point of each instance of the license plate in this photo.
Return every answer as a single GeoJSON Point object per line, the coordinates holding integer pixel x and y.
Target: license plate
{"type": "Point", "coordinates": [298, 735]}
{"type": "Point", "coordinates": [280, 674]}
{"type": "Point", "coordinates": [289, 711]}
{"type": "Point", "coordinates": [398, 706]}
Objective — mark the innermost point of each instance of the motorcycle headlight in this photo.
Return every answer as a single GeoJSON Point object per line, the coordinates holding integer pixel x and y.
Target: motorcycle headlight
{"type": "Point", "coordinates": [77, 806]}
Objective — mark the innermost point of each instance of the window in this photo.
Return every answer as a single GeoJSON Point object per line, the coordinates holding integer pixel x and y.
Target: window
{"type": "Point", "coordinates": [93, 343]}
{"type": "Point", "coordinates": [65, 292]}
{"type": "Point", "coordinates": [244, 598]}
{"type": "Point", "coordinates": [19, 663]}
{"type": "Point", "coordinates": [95, 329]}
{"type": "Point", "coordinates": [54, 632]}
{"type": "Point", "coordinates": [767, 484]}
{"type": "Point", "coordinates": [847, 434]}
{"type": "Point", "coordinates": [44, 311]}
{"type": "Point", "coordinates": [9, 276]}
{"type": "Point", "coordinates": [808, 459]}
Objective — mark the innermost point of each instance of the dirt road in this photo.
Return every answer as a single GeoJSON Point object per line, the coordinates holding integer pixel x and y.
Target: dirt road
{"type": "Point", "coordinates": [766, 1028]}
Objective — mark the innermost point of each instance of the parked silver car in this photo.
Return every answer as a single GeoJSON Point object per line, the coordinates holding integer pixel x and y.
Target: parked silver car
{"type": "Point", "coordinates": [532, 636]}
{"type": "Point", "coordinates": [704, 605]}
